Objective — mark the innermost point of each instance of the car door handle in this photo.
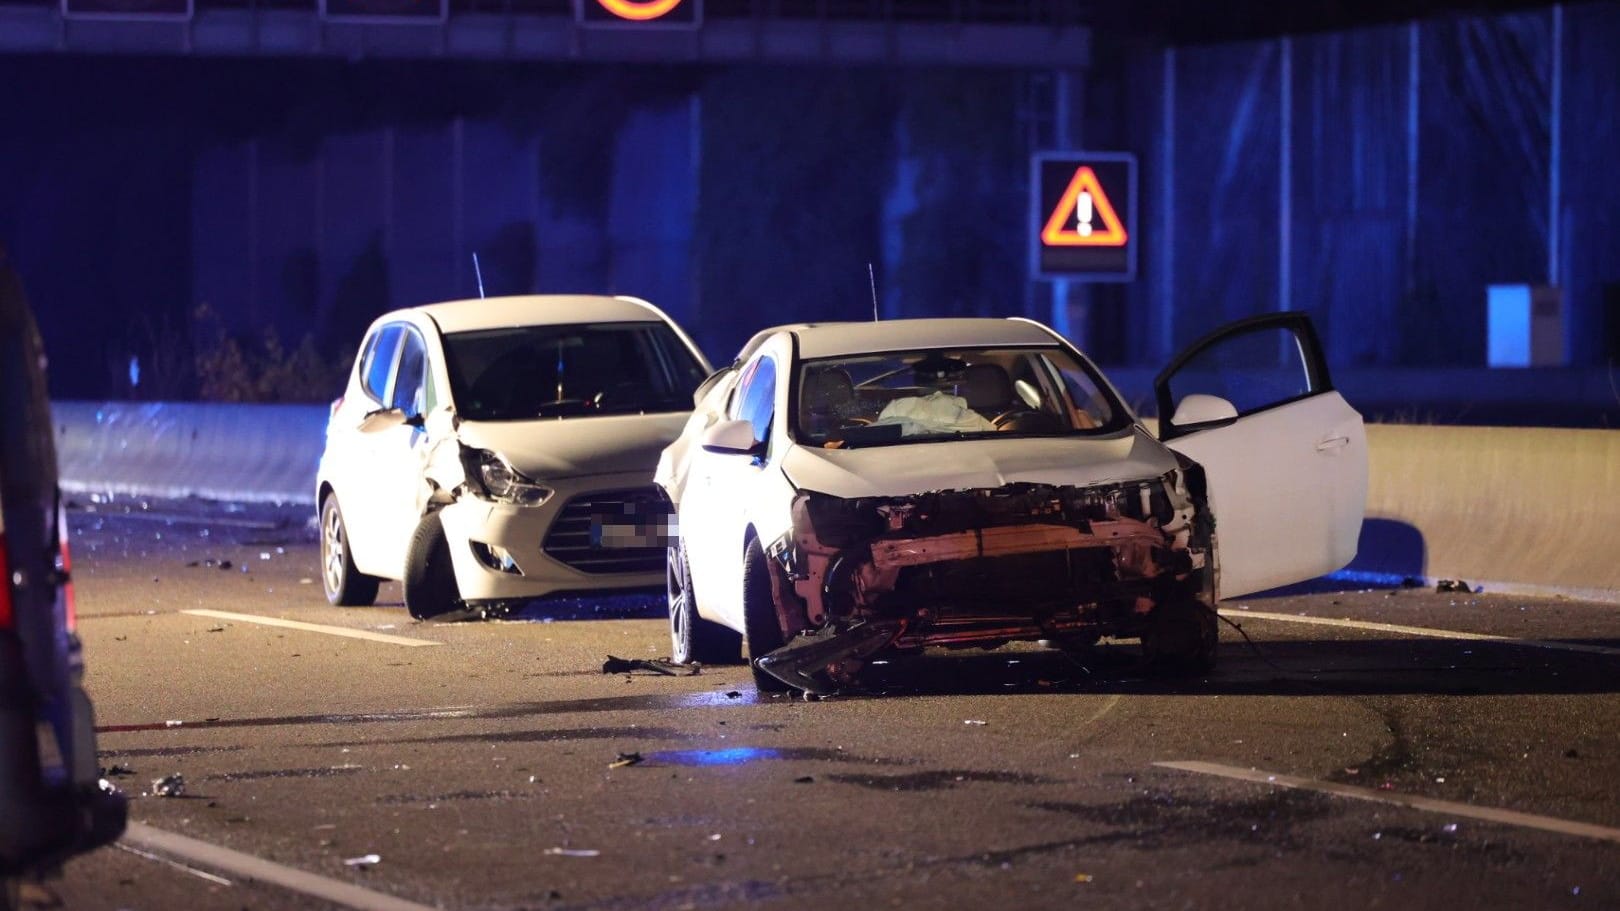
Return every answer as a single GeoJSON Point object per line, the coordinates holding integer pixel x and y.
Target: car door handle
{"type": "Point", "coordinates": [1329, 443]}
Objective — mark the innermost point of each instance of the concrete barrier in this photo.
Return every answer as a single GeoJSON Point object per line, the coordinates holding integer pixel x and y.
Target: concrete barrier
{"type": "Point", "coordinates": [245, 453]}
{"type": "Point", "coordinates": [1514, 509]}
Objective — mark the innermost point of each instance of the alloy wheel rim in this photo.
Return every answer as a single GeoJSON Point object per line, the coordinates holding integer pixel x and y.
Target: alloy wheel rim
{"type": "Point", "coordinates": [333, 541]}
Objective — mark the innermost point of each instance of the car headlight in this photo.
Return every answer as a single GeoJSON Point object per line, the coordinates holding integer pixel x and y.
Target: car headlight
{"type": "Point", "coordinates": [500, 481]}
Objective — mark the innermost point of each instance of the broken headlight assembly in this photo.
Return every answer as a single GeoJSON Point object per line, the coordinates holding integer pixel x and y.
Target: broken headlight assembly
{"type": "Point", "coordinates": [490, 476]}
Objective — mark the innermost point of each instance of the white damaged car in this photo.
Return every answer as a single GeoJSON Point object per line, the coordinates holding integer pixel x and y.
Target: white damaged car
{"type": "Point", "coordinates": [490, 452]}
{"type": "Point", "coordinates": [856, 487]}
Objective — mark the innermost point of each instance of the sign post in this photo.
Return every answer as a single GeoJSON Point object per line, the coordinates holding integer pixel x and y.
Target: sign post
{"type": "Point", "coordinates": [1083, 216]}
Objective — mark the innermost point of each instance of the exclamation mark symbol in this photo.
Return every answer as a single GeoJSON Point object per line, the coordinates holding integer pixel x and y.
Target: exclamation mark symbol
{"type": "Point", "coordinates": [1082, 214]}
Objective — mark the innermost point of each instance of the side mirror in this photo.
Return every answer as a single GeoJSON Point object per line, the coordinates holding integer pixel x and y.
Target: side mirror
{"type": "Point", "coordinates": [386, 418]}
{"type": "Point", "coordinates": [732, 438]}
{"type": "Point", "coordinates": [1198, 408]}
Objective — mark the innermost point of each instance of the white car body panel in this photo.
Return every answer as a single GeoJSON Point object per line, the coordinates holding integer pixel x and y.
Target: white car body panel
{"type": "Point", "coordinates": [959, 465]}
{"type": "Point", "coordinates": [1288, 487]}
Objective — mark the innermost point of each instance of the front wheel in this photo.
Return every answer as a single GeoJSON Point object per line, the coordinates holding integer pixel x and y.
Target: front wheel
{"type": "Point", "coordinates": [692, 638]}
{"type": "Point", "coordinates": [430, 578]}
{"type": "Point", "coordinates": [1181, 638]}
{"type": "Point", "coordinates": [761, 624]}
{"type": "Point", "coordinates": [345, 585]}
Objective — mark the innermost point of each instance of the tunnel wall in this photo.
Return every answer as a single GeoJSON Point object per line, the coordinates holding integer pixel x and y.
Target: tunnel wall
{"type": "Point", "coordinates": [1509, 508]}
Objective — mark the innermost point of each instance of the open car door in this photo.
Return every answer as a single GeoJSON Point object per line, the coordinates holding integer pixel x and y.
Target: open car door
{"type": "Point", "coordinates": [1285, 455]}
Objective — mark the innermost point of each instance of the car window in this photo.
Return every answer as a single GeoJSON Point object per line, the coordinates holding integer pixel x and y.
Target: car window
{"type": "Point", "coordinates": [525, 372]}
{"type": "Point", "coordinates": [411, 379]}
{"type": "Point", "coordinates": [755, 401]}
{"type": "Point", "coordinates": [1253, 370]}
{"type": "Point", "coordinates": [926, 395]}
{"type": "Point", "coordinates": [378, 364]}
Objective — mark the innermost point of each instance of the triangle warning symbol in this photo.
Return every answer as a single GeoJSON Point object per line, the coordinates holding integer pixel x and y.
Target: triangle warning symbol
{"type": "Point", "coordinates": [1084, 217]}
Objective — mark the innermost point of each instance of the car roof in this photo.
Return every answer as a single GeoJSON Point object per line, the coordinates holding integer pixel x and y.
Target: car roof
{"type": "Point", "coordinates": [836, 339]}
{"type": "Point", "coordinates": [538, 310]}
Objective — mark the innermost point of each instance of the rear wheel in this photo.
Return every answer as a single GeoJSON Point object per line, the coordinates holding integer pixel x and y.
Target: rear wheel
{"type": "Point", "coordinates": [692, 638]}
{"type": "Point", "coordinates": [344, 584]}
{"type": "Point", "coordinates": [762, 626]}
{"type": "Point", "coordinates": [1181, 638]}
{"type": "Point", "coordinates": [430, 578]}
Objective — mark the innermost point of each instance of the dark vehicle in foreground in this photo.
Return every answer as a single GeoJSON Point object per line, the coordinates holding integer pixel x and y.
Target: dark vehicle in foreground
{"type": "Point", "coordinates": [52, 804]}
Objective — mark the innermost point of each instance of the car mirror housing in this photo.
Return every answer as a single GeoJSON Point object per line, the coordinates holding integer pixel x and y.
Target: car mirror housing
{"type": "Point", "coordinates": [732, 438]}
{"type": "Point", "coordinates": [1198, 408]}
{"type": "Point", "coordinates": [382, 419]}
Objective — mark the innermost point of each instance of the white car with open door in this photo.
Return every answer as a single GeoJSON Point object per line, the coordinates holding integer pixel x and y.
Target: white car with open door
{"type": "Point", "coordinates": [489, 452]}
{"type": "Point", "coordinates": [969, 482]}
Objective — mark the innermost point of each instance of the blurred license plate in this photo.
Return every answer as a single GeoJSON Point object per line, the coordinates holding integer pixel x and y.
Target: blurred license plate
{"type": "Point", "coordinates": [633, 525]}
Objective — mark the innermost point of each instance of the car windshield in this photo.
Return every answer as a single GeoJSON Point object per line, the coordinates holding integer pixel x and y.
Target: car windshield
{"type": "Point", "coordinates": [523, 372]}
{"type": "Point", "coordinates": [926, 396]}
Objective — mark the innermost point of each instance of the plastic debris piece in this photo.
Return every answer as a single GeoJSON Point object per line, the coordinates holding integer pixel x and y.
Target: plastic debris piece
{"type": "Point", "coordinates": [974, 721]}
{"type": "Point", "coordinates": [1083, 877]}
{"type": "Point", "coordinates": [1453, 585]}
{"type": "Point", "coordinates": [1449, 827]}
{"type": "Point", "coordinates": [661, 666]}
{"type": "Point", "coordinates": [626, 760]}
{"type": "Point", "coordinates": [224, 564]}
{"type": "Point", "coordinates": [733, 694]}
{"type": "Point", "coordinates": [573, 852]}
{"type": "Point", "coordinates": [169, 786]}
{"type": "Point", "coordinates": [364, 860]}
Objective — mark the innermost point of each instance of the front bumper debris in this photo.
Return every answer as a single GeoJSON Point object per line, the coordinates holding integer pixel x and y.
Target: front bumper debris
{"type": "Point", "coordinates": [982, 567]}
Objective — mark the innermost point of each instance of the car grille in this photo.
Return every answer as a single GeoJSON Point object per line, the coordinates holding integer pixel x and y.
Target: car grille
{"type": "Point", "coordinates": [569, 540]}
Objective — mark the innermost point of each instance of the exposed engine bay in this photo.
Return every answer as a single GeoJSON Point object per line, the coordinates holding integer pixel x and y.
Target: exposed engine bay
{"type": "Point", "coordinates": [982, 567]}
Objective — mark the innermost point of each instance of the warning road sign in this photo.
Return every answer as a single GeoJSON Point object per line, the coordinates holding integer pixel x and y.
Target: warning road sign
{"type": "Point", "coordinates": [1083, 207]}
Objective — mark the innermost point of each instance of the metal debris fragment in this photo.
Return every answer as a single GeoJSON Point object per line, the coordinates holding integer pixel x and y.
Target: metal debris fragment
{"type": "Point", "coordinates": [626, 760]}
{"type": "Point", "coordinates": [364, 860]}
{"type": "Point", "coordinates": [169, 786]}
{"type": "Point", "coordinates": [1452, 585]}
{"type": "Point", "coordinates": [573, 852]}
{"type": "Point", "coordinates": [661, 666]}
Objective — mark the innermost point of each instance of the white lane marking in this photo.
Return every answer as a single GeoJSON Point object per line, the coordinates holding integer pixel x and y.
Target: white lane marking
{"type": "Point", "coordinates": [201, 874]}
{"type": "Point", "coordinates": [312, 627]}
{"type": "Point", "coordinates": [1425, 631]}
{"type": "Point", "coordinates": [1427, 804]}
{"type": "Point", "coordinates": [247, 866]}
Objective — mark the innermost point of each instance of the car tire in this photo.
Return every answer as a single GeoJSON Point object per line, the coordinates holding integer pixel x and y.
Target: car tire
{"type": "Point", "coordinates": [761, 625]}
{"type": "Point", "coordinates": [430, 578]}
{"type": "Point", "coordinates": [692, 638]}
{"type": "Point", "coordinates": [345, 586]}
{"type": "Point", "coordinates": [1181, 638]}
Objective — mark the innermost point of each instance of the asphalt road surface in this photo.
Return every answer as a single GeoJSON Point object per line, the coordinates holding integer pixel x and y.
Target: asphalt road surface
{"type": "Point", "coordinates": [1438, 750]}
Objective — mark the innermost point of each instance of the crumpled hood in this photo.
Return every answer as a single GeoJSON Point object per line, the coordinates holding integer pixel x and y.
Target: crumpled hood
{"type": "Point", "coordinates": [906, 469]}
{"type": "Point", "coordinates": [574, 446]}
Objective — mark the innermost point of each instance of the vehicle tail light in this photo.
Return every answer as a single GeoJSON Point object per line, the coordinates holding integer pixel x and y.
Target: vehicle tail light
{"type": "Point", "coordinates": [5, 586]}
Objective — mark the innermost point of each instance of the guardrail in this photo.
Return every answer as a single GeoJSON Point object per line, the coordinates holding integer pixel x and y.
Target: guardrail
{"type": "Point", "coordinates": [1514, 509]}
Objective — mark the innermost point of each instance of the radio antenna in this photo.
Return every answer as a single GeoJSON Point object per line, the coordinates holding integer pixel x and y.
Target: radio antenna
{"type": "Point", "coordinates": [871, 278]}
{"type": "Point", "coordinates": [479, 274]}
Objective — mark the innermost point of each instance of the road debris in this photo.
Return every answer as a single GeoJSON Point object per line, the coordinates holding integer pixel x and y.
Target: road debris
{"type": "Point", "coordinates": [169, 786]}
{"type": "Point", "coordinates": [1453, 586]}
{"type": "Point", "coordinates": [1083, 877]}
{"type": "Point", "coordinates": [626, 760]}
{"type": "Point", "coordinates": [117, 770]}
{"type": "Point", "coordinates": [364, 860]}
{"type": "Point", "coordinates": [733, 694]}
{"type": "Point", "coordinates": [572, 852]}
{"type": "Point", "coordinates": [661, 666]}
{"type": "Point", "coordinates": [974, 721]}
{"type": "Point", "coordinates": [805, 779]}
